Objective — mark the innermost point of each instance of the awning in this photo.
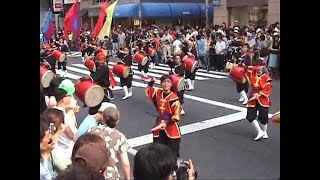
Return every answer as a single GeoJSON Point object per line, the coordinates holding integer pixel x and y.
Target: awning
{"type": "Point", "coordinates": [126, 10]}
{"type": "Point", "coordinates": [202, 7]}
{"type": "Point", "coordinates": [155, 10]}
{"type": "Point", "coordinates": [184, 9]}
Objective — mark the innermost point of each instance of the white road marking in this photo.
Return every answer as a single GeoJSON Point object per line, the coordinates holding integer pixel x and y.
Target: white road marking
{"type": "Point", "coordinates": [190, 128]}
{"type": "Point", "coordinates": [158, 71]}
{"type": "Point", "coordinates": [202, 70]}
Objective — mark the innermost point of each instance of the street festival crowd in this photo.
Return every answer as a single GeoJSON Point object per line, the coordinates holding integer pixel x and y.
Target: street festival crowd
{"type": "Point", "coordinates": [95, 149]}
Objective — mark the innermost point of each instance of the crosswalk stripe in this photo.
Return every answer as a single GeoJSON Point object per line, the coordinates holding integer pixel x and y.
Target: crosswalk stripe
{"type": "Point", "coordinates": [138, 72]}
{"type": "Point", "coordinates": [202, 70]}
{"type": "Point", "coordinates": [78, 70]}
{"type": "Point", "coordinates": [197, 73]}
{"type": "Point", "coordinates": [117, 79]}
{"type": "Point", "coordinates": [157, 71]}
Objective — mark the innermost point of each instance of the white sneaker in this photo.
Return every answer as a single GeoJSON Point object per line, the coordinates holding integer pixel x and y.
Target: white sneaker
{"type": "Point", "coordinates": [241, 99]}
{"type": "Point", "coordinates": [182, 112]}
{"type": "Point", "coordinates": [125, 97]}
{"type": "Point", "coordinates": [265, 136]}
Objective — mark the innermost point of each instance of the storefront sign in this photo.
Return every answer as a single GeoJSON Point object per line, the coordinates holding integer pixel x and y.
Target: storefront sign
{"type": "Point", "coordinates": [57, 5]}
{"type": "Point", "coordinates": [69, 1]}
{"type": "Point", "coordinates": [136, 22]}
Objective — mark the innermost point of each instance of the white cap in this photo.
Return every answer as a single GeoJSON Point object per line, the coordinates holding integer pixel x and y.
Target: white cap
{"type": "Point", "coordinates": [258, 30]}
{"type": "Point", "coordinates": [276, 29]}
{"type": "Point", "coordinates": [236, 31]}
{"type": "Point", "coordinates": [276, 34]}
{"type": "Point", "coordinates": [236, 28]}
{"type": "Point", "coordinates": [105, 105]}
{"type": "Point", "coordinates": [249, 34]}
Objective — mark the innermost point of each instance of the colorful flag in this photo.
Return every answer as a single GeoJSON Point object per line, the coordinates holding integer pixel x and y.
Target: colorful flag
{"type": "Point", "coordinates": [47, 28]}
{"type": "Point", "coordinates": [99, 24]}
{"type": "Point", "coordinates": [71, 21]}
{"type": "Point", "coordinates": [105, 31]}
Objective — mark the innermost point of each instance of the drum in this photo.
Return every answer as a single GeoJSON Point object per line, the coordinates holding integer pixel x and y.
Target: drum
{"type": "Point", "coordinates": [151, 51]}
{"type": "Point", "coordinates": [89, 93]}
{"type": "Point", "coordinates": [180, 53]}
{"type": "Point", "coordinates": [190, 63]}
{"type": "Point", "coordinates": [121, 70]}
{"type": "Point", "coordinates": [177, 82]}
{"type": "Point", "coordinates": [89, 63]}
{"type": "Point", "coordinates": [276, 118]}
{"type": "Point", "coordinates": [46, 76]}
{"type": "Point", "coordinates": [58, 56]}
{"type": "Point", "coordinates": [236, 74]}
{"type": "Point", "coordinates": [140, 58]}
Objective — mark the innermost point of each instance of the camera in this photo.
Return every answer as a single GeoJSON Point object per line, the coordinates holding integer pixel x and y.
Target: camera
{"type": "Point", "coordinates": [181, 170]}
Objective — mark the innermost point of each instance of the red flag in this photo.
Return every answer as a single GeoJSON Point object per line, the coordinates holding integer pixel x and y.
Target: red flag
{"type": "Point", "coordinates": [111, 79]}
{"type": "Point", "coordinates": [71, 21]}
{"type": "Point", "coordinates": [100, 21]}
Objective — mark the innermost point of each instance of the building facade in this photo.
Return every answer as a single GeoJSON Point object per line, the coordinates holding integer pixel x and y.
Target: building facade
{"type": "Point", "coordinates": [260, 12]}
{"type": "Point", "coordinates": [147, 12]}
{"type": "Point", "coordinates": [174, 12]}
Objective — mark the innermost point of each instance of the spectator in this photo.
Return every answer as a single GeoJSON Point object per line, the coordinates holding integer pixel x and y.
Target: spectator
{"type": "Point", "coordinates": [47, 143]}
{"type": "Point", "coordinates": [116, 142]}
{"type": "Point", "coordinates": [79, 173]}
{"type": "Point", "coordinates": [93, 120]}
{"type": "Point", "coordinates": [65, 102]}
{"type": "Point", "coordinates": [158, 162]}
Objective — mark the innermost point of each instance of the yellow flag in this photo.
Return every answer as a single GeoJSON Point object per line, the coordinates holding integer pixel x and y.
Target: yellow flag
{"type": "Point", "coordinates": [105, 31]}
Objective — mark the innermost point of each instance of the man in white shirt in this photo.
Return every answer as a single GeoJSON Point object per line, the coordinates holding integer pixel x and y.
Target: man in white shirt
{"type": "Point", "coordinates": [166, 41]}
{"type": "Point", "coordinates": [122, 38]}
{"type": "Point", "coordinates": [220, 47]}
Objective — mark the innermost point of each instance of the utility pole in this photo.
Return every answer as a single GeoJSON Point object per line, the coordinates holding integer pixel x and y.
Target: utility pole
{"type": "Point", "coordinates": [139, 13]}
{"type": "Point", "coordinates": [207, 13]}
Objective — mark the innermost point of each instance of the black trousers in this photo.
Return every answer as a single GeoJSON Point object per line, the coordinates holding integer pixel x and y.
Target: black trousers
{"type": "Point", "coordinates": [144, 68]}
{"type": "Point", "coordinates": [263, 113]}
{"type": "Point", "coordinates": [126, 81]}
{"type": "Point", "coordinates": [191, 76]}
{"type": "Point", "coordinates": [219, 62]}
{"type": "Point", "coordinates": [180, 96]}
{"type": "Point", "coordinates": [173, 144]}
{"type": "Point", "coordinates": [62, 65]}
{"type": "Point", "coordinates": [242, 87]}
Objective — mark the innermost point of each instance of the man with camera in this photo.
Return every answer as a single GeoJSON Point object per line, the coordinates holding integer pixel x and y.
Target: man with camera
{"type": "Point", "coordinates": [157, 161]}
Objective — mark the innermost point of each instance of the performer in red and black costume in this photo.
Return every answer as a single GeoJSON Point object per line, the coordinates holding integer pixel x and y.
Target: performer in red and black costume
{"type": "Point", "coordinates": [126, 83]}
{"type": "Point", "coordinates": [244, 58]}
{"type": "Point", "coordinates": [191, 51]}
{"type": "Point", "coordinates": [261, 87]}
{"type": "Point", "coordinates": [101, 77]}
{"type": "Point", "coordinates": [167, 130]}
{"type": "Point", "coordinates": [178, 68]}
{"type": "Point", "coordinates": [143, 46]}
{"type": "Point", "coordinates": [46, 57]}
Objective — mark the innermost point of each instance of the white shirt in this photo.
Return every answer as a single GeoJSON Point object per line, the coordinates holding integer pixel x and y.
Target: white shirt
{"type": "Point", "coordinates": [220, 46]}
{"type": "Point", "coordinates": [63, 140]}
{"type": "Point", "coordinates": [176, 45]}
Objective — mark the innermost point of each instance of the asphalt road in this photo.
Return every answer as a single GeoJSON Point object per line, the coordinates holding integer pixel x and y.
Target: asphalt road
{"type": "Point", "coordinates": [216, 135]}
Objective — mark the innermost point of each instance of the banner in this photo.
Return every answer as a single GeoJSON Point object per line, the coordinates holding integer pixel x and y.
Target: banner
{"type": "Point", "coordinates": [71, 21]}
{"type": "Point", "coordinates": [47, 28]}
{"type": "Point", "coordinates": [105, 31]}
{"type": "Point", "coordinates": [99, 24]}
